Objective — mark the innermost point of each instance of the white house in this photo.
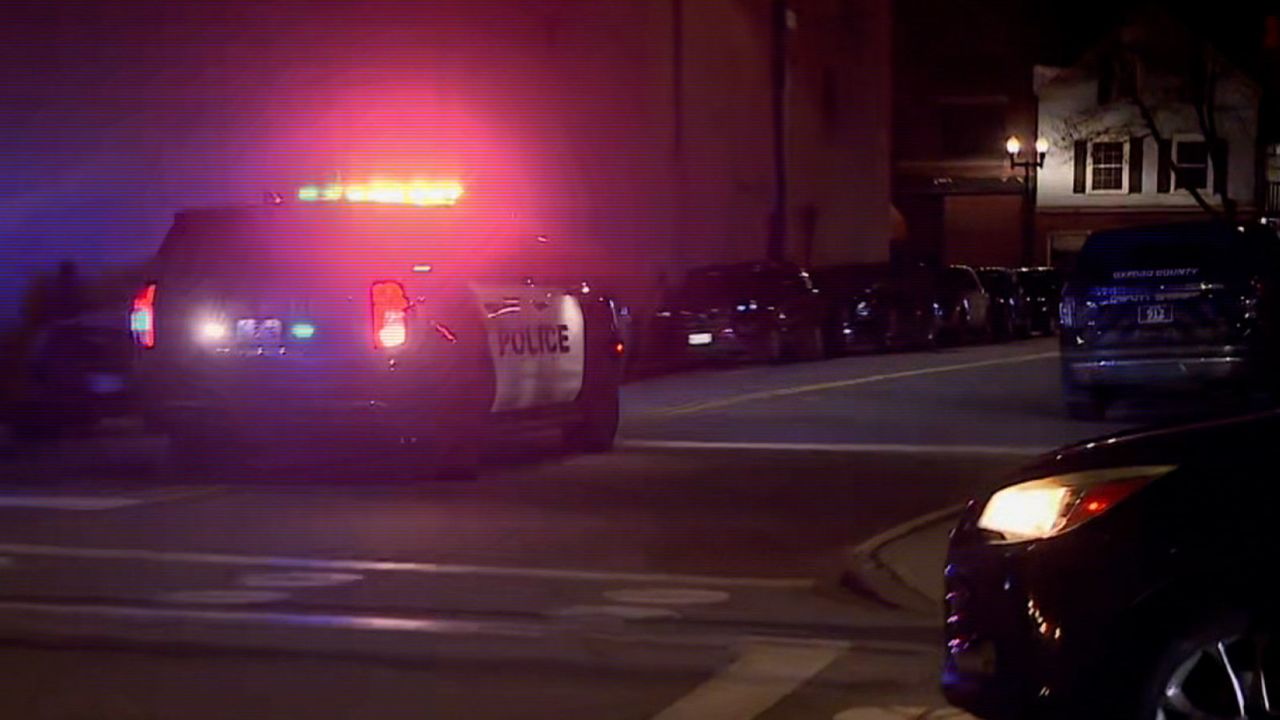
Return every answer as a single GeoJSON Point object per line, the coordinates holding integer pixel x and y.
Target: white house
{"type": "Point", "coordinates": [1109, 166]}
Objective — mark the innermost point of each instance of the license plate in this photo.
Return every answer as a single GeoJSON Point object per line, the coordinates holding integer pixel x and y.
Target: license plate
{"type": "Point", "coordinates": [701, 338]}
{"type": "Point", "coordinates": [1153, 314]}
{"type": "Point", "coordinates": [259, 331]}
{"type": "Point", "coordinates": [105, 383]}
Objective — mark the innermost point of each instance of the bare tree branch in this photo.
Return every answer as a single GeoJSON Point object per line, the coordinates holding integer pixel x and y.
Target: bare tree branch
{"type": "Point", "coordinates": [1178, 172]}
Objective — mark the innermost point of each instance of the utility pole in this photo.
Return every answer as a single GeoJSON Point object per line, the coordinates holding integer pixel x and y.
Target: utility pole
{"type": "Point", "coordinates": [1013, 146]}
{"type": "Point", "coordinates": [776, 248]}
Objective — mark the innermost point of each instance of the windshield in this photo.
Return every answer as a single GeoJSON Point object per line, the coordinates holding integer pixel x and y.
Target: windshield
{"type": "Point", "coordinates": [639, 359]}
{"type": "Point", "coordinates": [369, 241]}
{"type": "Point", "coordinates": [999, 282]}
{"type": "Point", "coordinates": [1197, 252]}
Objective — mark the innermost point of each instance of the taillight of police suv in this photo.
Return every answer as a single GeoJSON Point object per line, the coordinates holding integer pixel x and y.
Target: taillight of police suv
{"type": "Point", "coordinates": [390, 308]}
{"type": "Point", "coordinates": [142, 319]}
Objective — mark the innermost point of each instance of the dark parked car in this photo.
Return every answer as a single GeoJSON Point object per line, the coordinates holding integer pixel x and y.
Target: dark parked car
{"type": "Point", "coordinates": [80, 370]}
{"type": "Point", "coordinates": [879, 306]}
{"type": "Point", "coordinates": [1009, 316]}
{"type": "Point", "coordinates": [966, 306]}
{"type": "Point", "coordinates": [1169, 306]}
{"type": "Point", "coordinates": [1127, 577]}
{"type": "Point", "coordinates": [763, 311]}
{"type": "Point", "coordinates": [1042, 290]}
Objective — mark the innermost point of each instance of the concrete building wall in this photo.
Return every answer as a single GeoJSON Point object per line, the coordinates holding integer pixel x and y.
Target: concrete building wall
{"type": "Point", "coordinates": [1069, 111]}
{"type": "Point", "coordinates": [839, 115]}
{"type": "Point", "coordinates": [582, 118]}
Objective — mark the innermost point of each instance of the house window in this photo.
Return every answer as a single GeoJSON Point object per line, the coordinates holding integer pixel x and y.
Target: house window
{"type": "Point", "coordinates": [1192, 160]}
{"type": "Point", "coordinates": [1107, 166]}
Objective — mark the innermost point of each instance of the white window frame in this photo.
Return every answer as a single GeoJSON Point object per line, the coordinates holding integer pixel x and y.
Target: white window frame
{"type": "Point", "coordinates": [1124, 167]}
{"type": "Point", "coordinates": [1173, 160]}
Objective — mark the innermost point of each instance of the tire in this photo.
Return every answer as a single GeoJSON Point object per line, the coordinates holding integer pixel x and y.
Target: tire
{"type": "Point", "coordinates": [35, 424]}
{"type": "Point", "coordinates": [928, 339]}
{"type": "Point", "coordinates": [198, 452]}
{"type": "Point", "coordinates": [810, 345]}
{"type": "Point", "coordinates": [1201, 668]}
{"type": "Point", "coordinates": [770, 348]}
{"type": "Point", "coordinates": [597, 429]}
{"type": "Point", "coordinates": [455, 452]}
{"type": "Point", "coordinates": [1086, 405]}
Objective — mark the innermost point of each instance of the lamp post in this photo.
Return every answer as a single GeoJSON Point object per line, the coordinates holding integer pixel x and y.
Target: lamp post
{"type": "Point", "coordinates": [1013, 146]}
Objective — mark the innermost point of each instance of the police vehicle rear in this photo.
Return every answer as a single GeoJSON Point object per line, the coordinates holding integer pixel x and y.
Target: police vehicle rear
{"type": "Point", "coordinates": [392, 309]}
{"type": "Point", "coordinates": [1164, 307]}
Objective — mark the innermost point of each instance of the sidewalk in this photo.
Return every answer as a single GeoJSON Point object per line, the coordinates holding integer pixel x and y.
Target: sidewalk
{"type": "Point", "coordinates": [903, 565]}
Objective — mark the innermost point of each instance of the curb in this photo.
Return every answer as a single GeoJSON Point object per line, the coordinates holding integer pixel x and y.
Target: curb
{"type": "Point", "coordinates": [866, 573]}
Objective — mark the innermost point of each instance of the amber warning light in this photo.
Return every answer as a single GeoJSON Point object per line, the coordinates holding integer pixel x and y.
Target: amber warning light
{"type": "Point", "coordinates": [420, 193]}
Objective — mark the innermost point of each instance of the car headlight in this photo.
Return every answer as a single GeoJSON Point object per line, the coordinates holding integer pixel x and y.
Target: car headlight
{"type": "Point", "coordinates": [1045, 507]}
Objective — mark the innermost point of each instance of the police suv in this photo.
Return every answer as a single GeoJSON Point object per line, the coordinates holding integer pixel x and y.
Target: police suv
{"type": "Point", "coordinates": [391, 308]}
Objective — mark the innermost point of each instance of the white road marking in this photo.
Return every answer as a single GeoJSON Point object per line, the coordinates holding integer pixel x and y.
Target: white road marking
{"type": "Point", "coordinates": [296, 579]}
{"type": "Point", "coordinates": [424, 568]}
{"type": "Point", "coordinates": [1019, 450]}
{"type": "Point", "coordinates": [898, 712]}
{"type": "Point", "coordinates": [849, 382]}
{"type": "Point", "coordinates": [668, 596]}
{"type": "Point", "coordinates": [763, 674]}
{"type": "Point", "coordinates": [249, 617]}
{"type": "Point", "coordinates": [66, 502]}
{"type": "Point", "coordinates": [223, 597]}
{"type": "Point", "coordinates": [625, 612]}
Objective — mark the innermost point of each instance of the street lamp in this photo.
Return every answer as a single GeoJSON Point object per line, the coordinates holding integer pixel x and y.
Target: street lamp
{"type": "Point", "coordinates": [1013, 146]}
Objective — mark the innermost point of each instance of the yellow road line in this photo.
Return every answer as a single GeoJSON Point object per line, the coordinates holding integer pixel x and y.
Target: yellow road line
{"type": "Point", "coordinates": [719, 403]}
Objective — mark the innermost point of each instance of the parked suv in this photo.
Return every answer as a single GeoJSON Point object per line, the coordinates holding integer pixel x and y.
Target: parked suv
{"type": "Point", "coordinates": [1159, 307]}
{"type": "Point", "coordinates": [763, 311]}
{"type": "Point", "coordinates": [966, 306]}
{"type": "Point", "coordinates": [1008, 303]}
{"type": "Point", "coordinates": [1042, 290]}
{"type": "Point", "coordinates": [879, 306]}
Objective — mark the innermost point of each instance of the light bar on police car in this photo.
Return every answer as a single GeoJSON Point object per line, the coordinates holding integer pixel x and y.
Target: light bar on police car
{"type": "Point", "coordinates": [420, 193]}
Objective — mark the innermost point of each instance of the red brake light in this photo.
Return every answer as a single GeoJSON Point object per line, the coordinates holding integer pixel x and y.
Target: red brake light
{"type": "Point", "coordinates": [390, 306]}
{"type": "Point", "coordinates": [142, 320]}
{"type": "Point", "coordinates": [1100, 498]}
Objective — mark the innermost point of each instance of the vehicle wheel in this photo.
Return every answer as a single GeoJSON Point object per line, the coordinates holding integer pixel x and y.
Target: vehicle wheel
{"type": "Point", "coordinates": [597, 429]}
{"type": "Point", "coordinates": [833, 340]}
{"type": "Point", "coordinates": [928, 339]}
{"type": "Point", "coordinates": [770, 348]}
{"type": "Point", "coordinates": [34, 423]}
{"type": "Point", "coordinates": [196, 452]}
{"type": "Point", "coordinates": [1215, 669]}
{"type": "Point", "coordinates": [1082, 405]}
{"type": "Point", "coordinates": [810, 345]}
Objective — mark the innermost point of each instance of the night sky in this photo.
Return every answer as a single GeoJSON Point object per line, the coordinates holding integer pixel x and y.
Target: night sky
{"type": "Point", "coordinates": [114, 115]}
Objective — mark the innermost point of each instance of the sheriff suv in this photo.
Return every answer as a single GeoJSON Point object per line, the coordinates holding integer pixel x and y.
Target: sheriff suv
{"type": "Point", "coordinates": [421, 325]}
{"type": "Point", "coordinates": [1163, 307]}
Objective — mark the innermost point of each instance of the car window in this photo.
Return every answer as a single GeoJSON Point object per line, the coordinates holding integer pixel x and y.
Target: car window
{"type": "Point", "coordinates": [959, 280]}
{"type": "Point", "coordinates": [1191, 252]}
{"type": "Point", "coordinates": [285, 243]}
{"type": "Point", "coordinates": [998, 282]}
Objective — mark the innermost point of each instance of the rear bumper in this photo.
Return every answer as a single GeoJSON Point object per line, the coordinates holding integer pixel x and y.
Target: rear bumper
{"type": "Point", "coordinates": [1190, 369]}
{"type": "Point", "coordinates": [247, 397]}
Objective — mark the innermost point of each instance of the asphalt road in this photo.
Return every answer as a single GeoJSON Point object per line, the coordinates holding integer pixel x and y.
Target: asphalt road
{"type": "Point", "coordinates": [690, 574]}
